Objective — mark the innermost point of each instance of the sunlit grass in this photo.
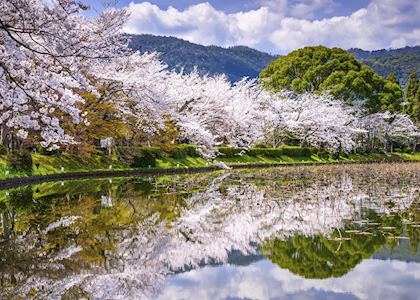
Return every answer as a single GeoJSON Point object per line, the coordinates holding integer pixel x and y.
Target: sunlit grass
{"type": "Point", "coordinates": [73, 163]}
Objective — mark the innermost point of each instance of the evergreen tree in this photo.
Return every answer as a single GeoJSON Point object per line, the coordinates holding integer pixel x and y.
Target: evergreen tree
{"type": "Point", "coordinates": [416, 106]}
{"type": "Point", "coordinates": [392, 77]}
{"type": "Point", "coordinates": [410, 93]}
{"type": "Point", "coordinates": [412, 84]}
{"type": "Point", "coordinates": [392, 94]}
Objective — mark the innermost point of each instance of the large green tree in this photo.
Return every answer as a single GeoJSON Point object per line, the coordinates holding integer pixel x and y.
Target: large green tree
{"type": "Point", "coordinates": [323, 70]}
{"type": "Point", "coordinates": [412, 96]}
{"type": "Point", "coordinates": [325, 256]}
{"type": "Point", "coordinates": [392, 94]}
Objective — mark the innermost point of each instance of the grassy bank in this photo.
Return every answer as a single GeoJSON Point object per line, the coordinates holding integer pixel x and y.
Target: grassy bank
{"type": "Point", "coordinates": [44, 165]}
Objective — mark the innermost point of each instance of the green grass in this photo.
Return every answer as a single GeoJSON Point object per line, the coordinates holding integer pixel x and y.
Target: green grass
{"type": "Point", "coordinates": [70, 163]}
{"type": "Point", "coordinates": [188, 162]}
{"type": "Point", "coordinates": [73, 163]}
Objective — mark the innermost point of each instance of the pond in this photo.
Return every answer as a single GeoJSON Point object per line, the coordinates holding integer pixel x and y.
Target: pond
{"type": "Point", "coordinates": [325, 232]}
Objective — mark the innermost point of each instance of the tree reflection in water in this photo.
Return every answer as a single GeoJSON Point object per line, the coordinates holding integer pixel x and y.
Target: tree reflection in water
{"type": "Point", "coordinates": [318, 222]}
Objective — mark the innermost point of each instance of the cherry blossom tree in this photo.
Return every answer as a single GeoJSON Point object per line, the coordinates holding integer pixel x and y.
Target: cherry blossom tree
{"type": "Point", "coordinates": [50, 54]}
{"type": "Point", "coordinates": [384, 129]}
{"type": "Point", "coordinates": [215, 112]}
{"type": "Point", "coordinates": [316, 120]}
{"type": "Point", "coordinates": [208, 111]}
{"type": "Point", "coordinates": [46, 51]}
{"type": "Point", "coordinates": [404, 132]}
{"type": "Point", "coordinates": [138, 84]}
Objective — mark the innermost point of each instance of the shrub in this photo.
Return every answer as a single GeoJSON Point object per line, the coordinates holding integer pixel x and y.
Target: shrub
{"type": "Point", "coordinates": [127, 154]}
{"type": "Point", "coordinates": [21, 199]}
{"type": "Point", "coordinates": [267, 152]}
{"type": "Point", "coordinates": [146, 157]}
{"type": "Point", "coordinates": [260, 145]}
{"type": "Point", "coordinates": [3, 150]}
{"type": "Point", "coordinates": [296, 151]}
{"type": "Point", "coordinates": [152, 151]}
{"type": "Point", "coordinates": [191, 150]}
{"type": "Point", "coordinates": [344, 154]}
{"type": "Point", "coordinates": [229, 151]}
{"type": "Point", "coordinates": [45, 151]}
{"type": "Point", "coordinates": [322, 153]}
{"type": "Point", "coordinates": [408, 150]}
{"type": "Point", "coordinates": [20, 160]}
{"type": "Point", "coordinates": [314, 150]}
{"type": "Point", "coordinates": [144, 161]}
{"type": "Point", "coordinates": [180, 151]}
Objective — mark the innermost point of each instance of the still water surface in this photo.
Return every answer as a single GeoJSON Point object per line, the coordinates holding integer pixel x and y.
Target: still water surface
{"type": "Point", "coordinates": [328, 232]}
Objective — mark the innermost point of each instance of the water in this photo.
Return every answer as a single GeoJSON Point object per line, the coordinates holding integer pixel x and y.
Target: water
{"type": "Point", "coordinates": [330, 232]}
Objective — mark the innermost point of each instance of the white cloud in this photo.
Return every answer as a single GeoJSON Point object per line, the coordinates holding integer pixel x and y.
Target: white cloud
{"type": "Point", "coordinates": [278, 26]}
{"type": "Point", "coordinates": [371, 279]}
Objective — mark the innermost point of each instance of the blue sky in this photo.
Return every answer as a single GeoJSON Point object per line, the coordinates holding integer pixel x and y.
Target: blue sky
{"type": "Point", "coordinates": [279, 26]}
{"type": "Point", "coordinates": [342, 7]}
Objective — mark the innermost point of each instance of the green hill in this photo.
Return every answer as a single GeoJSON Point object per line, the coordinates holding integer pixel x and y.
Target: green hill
{"type": "Point", "coordinates": [240, 61]}
{"type": "Point", "coordinates": [236, 62]}
{"type": "Point", "coordinates": [400, 61]}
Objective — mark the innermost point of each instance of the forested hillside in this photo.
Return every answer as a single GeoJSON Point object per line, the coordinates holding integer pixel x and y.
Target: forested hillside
{"type": "Point", "coordinates": [400, 61]}
{"type": "Point", "coordinates": [239, 61]}
{"type": "Point", "coordinates": [236, 62]}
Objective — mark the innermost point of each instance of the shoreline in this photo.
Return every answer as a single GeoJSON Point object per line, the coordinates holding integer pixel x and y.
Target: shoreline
{"type": "Point", "coordinates": [36, 179]}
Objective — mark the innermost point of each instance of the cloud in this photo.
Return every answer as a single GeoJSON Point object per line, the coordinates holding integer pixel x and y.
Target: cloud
{"type": "Point", "coordinates": [264, 280]}
{"type": "Point", "coordinates": [279, 26]}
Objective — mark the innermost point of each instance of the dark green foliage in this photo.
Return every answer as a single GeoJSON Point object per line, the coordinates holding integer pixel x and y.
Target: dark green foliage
{"type": "Point", "coordinates": [392, 95]}
{"type": "Point", "coordinates": [403, 150]}
{"type": "Point", "coordinates": [3, 150]}
{"type": "Point", "coordinates": [363, 54]}
{"type": "Point", "coordinates": [416, 106]}
{"type": "Point", "coordinates": [320, 257]}
{"type": "Point", "coordinates": [408, 150]}
{"type": "Point", "coordinates": [261, 145]}
{"type": "Point", "coordinates": [180, 151]}
{"type": "Point", "coordinates": [143, 185]}
{"type": "Point", "coordinates": [21, 199]}
{"type": "Point", "coordinates": [147, 159]}
{"type": "Point", "coordinates": [412, 85]}
{"type": "Point", "coordinates": [143, 157]}
{"type": "Point", "coordinates": [236, 62]}
{"type": "Point", "coordinates": [20, 160]}
{"type": "Point", "coordinates": [139, 157]}
{"type": "Point", "coordinates": [322, 153]}
{"type": "Point", "coordinates": [392, 77]}
{"type": "Point", "coordinates": [266, 152]}
{"type": "Point", "coordinates": [333, 71]}
{"type": "Point", "coordinates": [296, 151]}
{"type": "Point", "coordinates": [291, 151]}
{"type": "Point", "coordinates": [412, 96]}
{"type": "Point", "coordinates": [400, 61]}
{"type": "Point", "coordinates": [45, 151]}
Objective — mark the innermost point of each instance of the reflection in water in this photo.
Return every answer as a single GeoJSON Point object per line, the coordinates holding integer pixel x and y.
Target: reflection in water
{"type": "Point", "coordinates": [124, 238]}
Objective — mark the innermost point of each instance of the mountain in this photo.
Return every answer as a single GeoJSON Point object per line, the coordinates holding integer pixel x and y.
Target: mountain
{"type": "Point", "coordinates": [236, 62]}
{"type": "Point", "coordinates": [240, 61]}
{"type": "Point", "coordinates": [402, 251]}
{"type": "Point", "coordinates": [400, 61]}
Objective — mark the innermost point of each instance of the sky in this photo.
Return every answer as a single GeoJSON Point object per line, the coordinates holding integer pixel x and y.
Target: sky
{"type": "Point", "coordinates": [279, 26]}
